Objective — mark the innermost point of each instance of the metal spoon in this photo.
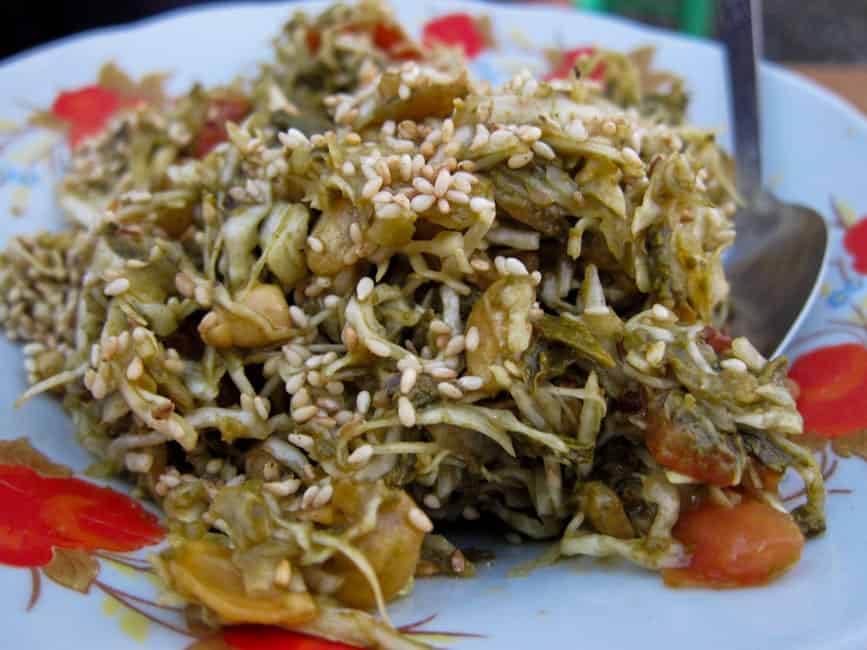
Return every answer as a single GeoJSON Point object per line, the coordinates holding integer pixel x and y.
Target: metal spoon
{"type": "Point", "coordinates": [781, 249]}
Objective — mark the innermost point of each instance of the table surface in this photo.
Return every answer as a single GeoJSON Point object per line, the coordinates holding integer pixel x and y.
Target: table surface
{"type": "Point", "coordinates": [847, 80]}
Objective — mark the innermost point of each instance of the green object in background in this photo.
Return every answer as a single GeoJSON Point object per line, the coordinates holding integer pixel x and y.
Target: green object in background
{"type": "Point", "coordinates": [694, 17]}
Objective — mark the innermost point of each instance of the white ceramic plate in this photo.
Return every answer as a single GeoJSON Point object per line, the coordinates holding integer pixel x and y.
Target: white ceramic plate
{"type": "Point", "coordinates": [815, 147]}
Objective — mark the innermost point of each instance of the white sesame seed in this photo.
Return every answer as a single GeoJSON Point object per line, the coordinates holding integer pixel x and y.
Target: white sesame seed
{"type": "Point", "coordinates": [448, 129]}
{"type": "Point", "coordinates": [407, 380]}
{"type": "Point", "coordinates": [432, 501]}
{"type": "Point", "coordinates": [403, 92]}
{"type": "Point", "coordinates": [368, 171]}
{"type": "Point", "coordinates": [480, 205]}
{"type": "Point", "coordinates": [455, 346]}
{"type": "Point", "coordinates": [733, 364]}
{"type": "Point", "coordinates": [481, 137]}
{"type": "Point", "coordinates": [746, 352]}
{"type": "Point", "coordinates": [518, 160]}
{"type": "Point", "coordinates": [327, 404]}
{"type": "Point", "coordinates": [449, 390]}
{"type": "Point", "coordinates": [135, 369]}
{"type": "Point", "coordinates": [315, 244]}
{"type": "Point", "coordinates": [282, 488]}
{"type": "Point", "coordinates": [214, 465]}
{"type": "Point", "coordinates": [406, 412]}
{"type": "Point", "coordinates": [292, 357]}
{"type": "Point", "coordinates": [300, 398]}
{"type": "Point", "coordinates": [355, 233]}
{"type": "Point", "coordinates": [663, 313]}
{"type": "Point", "coordinates": [409, 361]}
{"type": "Point", "coordinates": [443, 206]}
{"type": "Point", "coordinates": [480, 265]}
{"type": "Point", "coordinates": [383, 197]}
{"type": "Point", "coordinates": [501, 138]}
{"type": "Point", "coordinates": [348, 168]}
{"type": "Point", "coordinates": [609, 128]}
{"type": "Point", "coordinates": [514, 266]}
{"type": "Point", "coordinates": [420, 521]}
{"type": "Point", "coordinates": [456, 196]}
{"type": "Point", "coordinates": [334, 388]}
{"type": "Point", "coordinates": [577, 130]}
{"type": "Point", "coordinates": [116, 287]}
{"type": "Point", "coordinates": [362, 402]}
{"type": "Point", "coordinates": [423, 185]}
{"type": "Point", "coordinates": [471, 341]}
{"type": "Point", "coordinates": [371, 187]}
{"type": "Point", "coordinates": [470, 513]}
{"type": "Point", "coordinates": [309, 496]}
{"type": "Point", "coordinates": [405, 166]}
{"type": "Point", "coordinates": [388, 210]}
{"type": "Point", "coordinates": [422, 202]}
{"type": "Point", "coordinates": [138, 462]}
{"type": "Point", "coordinates": [470, 382]}
{"type": "Point", "coordinates": [262, 406]}
{"type": "Point", "coordinates": [298, 316]}
{"type": "Point", "coordinates": [323, 496]}
{"type": "Point", "coordinates": [441, 372]}
{"type": "Point", "coordinates": [304, 413]}
{"type": "Point", "coordinates": [417, 164]}
{"type": "Point", "coordinates": [302, 440]}
{"type": "Point", "coordinates": [377, 347]}
{"type": "Point", "coordinates": [202, 296]}
{"type": "Point", "coordinates": [544, 150]}
{"type": "Point", "coordinates": [314, 378]}
{"type": "Point", "coordinates": [295, 383]}
{"type": "Point", "coordinates": [597, 310]}
{"type": "Point", "coordinates": [364, 288]}
{"type": "Point", "coordinates": [283, 573]}
{"type": "Point", "coordinates": [343, 416]}
{"type": "Point", "coordinates": [438, 326]}
{"type": "Point", "coordinates": [443, 182]}
{"type": "Point", "coordinates": [361, 455]}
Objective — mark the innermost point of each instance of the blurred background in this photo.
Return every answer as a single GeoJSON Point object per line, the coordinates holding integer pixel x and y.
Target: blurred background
{"type": "Point", "coordinates": [824, 39]}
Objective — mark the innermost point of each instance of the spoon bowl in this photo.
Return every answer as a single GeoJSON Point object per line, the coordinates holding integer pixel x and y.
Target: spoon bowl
{"type": "Point", "coordinates": [780, 252]}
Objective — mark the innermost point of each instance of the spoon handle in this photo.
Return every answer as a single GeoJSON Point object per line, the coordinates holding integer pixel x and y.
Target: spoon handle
{"type": "Point", "coordinates": [740, 30]}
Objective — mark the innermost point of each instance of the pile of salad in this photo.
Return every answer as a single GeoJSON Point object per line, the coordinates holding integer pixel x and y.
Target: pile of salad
{"type": "Point", "coordinates": [319, 314]}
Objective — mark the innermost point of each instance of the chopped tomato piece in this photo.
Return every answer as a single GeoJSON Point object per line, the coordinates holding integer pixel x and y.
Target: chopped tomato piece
{"type": "Point", "coordinates": [387, 36]}
{"type": "Point", "coordinates": [87, 110]}
{"type": "Point", "coordinates": [747, 545]}
{"type": "Point", "coordinates": [314, 40]}
{"type": "Point", "coordinates": [568, 60]}
{"type": "Point", "coordinates": [256, 637]}
{"type": "Point", "coordinates": [220, 111]}
{"type": "Point", "coordinates": [717, 340]}
{"type": "Point", "coordinates": [458, 29]}
{"type": "Point", "coordinates": [674, 446]}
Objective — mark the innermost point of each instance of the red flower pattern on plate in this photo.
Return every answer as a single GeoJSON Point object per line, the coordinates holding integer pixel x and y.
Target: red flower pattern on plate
{"type": "Point", "coordinates": [855, 241]}
{"type": "Point", "coordinates": [833, 389]}
{"type": "Point", "coordinates": [39, 514]}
